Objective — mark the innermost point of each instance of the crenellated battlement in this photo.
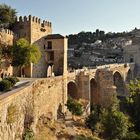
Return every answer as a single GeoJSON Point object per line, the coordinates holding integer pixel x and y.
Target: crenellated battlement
{"type": "Point", "coordinates": [33, 19]}
{"type": "Point", "coordinates": [32, 28]}
{"type": "Point", "coordinates": [6, 31]}
{"type": "Point", "coordinates": [6, 36]}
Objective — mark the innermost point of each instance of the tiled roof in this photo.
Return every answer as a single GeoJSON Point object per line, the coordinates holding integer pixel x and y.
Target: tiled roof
{"type": "Point", "coordinates": [54, 36]}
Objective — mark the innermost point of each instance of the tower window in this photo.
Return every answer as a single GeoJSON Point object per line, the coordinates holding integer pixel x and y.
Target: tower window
{"type": "Point", "coordinates": [131, 60]}
{"type": "Point", "coordinates": [44, 47]}
{"type": "Point", "coordinates": [49, 45]}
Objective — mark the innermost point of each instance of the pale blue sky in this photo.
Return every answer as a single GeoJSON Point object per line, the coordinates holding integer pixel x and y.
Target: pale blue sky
{"type": "Point", "coordinates": [73, 16]}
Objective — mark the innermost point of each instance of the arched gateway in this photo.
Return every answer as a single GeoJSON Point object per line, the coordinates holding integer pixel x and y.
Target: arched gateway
{"type": "Point", "coordinates": [72, 90]}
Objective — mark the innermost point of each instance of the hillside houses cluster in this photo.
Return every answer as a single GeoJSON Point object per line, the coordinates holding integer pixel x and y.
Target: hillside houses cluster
{"type": "Point", "coordinates": [97, 53]}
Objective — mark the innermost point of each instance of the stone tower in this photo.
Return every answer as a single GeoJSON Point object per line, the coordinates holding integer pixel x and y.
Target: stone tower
{"type": "Point", "coordinates": [32, 29]}
{"type": "Point", "coordinates": [53, 60]}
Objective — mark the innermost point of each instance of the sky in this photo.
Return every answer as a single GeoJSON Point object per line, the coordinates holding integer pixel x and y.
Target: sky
{"type": "Point", "coordinates": [73, 16]}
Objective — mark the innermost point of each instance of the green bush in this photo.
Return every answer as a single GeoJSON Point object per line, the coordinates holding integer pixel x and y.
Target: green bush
{"type": "Point", "coordinates": [28, 134]}
{"type": "Point", "coordinates": [11, 114]}
{"type": "Point", "coordinates": [13, 80]}
{"type": "Point", "coordinates": [74, 107]}
{"type": "Point", "coordinates": [92, 120]}
{"type": "Point", "coordinates": [114, 124]}
{"type": "Point", "coordinates": [109, 122]}
{"type": "Point", "coordinates": [131, 136]}
{"type": "Point", "coordinates": [5, 85]}
{"type": "Point", "coordinates": [82, 137]}
{"type": "Point", "coordinates": [133, 102]}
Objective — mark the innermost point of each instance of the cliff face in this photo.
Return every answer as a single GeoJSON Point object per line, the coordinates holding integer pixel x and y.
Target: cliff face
{"type": "Point", "coordinates": [22, 108]}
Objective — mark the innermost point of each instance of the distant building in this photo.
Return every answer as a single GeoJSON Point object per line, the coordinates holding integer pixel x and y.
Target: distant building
{"type": "Point", "coordinates": [131, 54]}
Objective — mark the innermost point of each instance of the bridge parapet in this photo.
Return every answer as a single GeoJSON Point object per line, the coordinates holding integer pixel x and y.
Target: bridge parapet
{"type": "Point", "coordinates": [122, 68]}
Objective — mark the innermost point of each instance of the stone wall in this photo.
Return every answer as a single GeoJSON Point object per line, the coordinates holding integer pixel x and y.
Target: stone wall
{"type": "Point", "coordinates": [105, 86]}
{"type": "Point", "coordinates": [24, 107]}
{"type": "Point", "coordinates": [6, 40]}
{"type": "Point", "coordinates": [6, 37]}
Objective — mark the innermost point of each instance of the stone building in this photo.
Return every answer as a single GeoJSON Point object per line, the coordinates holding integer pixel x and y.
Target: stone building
{"type": "Point", "coordinates": [52, 46]}
{"type": "Point", "coordinates": [56, 53]}
{"type": "Point", "coordinates": [131, 52]}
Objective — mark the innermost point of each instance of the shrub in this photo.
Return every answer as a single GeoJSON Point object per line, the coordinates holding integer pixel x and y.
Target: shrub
{"type": "Point", "coordinates": [133, 102]}
{"type": "Point", "coordinates": [115, 124]}
{"type": "Point", "coordinates": [92, 120]}
{"type": "Point", "coordinates": [28, 134]}
{"type": "Point", "coordinates": [82, 137]}
{"type": "Point", "coordinates": [11, 114]}
{"type": "Point", "coordinates": [131, 136]}
{"type": "Point", "coordinates": [5, 85]}
{"type": "Point", "coordinates": [109, 122]}
{"type": "Point", "coordinates": [13, 80]}
{"type": "Point", "coordinates": [74, 106]}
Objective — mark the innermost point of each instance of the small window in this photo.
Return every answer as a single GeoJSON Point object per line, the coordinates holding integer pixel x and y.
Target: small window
{"type": "Point", "coordinates": [49, 45]}
{"type": "Point", "coordinates": [44, 47]}
{"type": "Point", "coordinates": [131, 60]}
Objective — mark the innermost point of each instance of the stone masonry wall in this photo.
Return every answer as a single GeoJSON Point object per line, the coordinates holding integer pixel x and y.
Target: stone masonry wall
{"type": "Point", "coordinates": [6, 40]}
{"type": "Point", "coordinates": [25, 106]}
{"type": "Point", "coordinates": [6, 37]}
{"type": "Point", "coordinates": [106, 86]}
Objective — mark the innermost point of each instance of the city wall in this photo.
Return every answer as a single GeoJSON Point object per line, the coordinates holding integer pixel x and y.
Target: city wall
{"type": "Point", "coordinates": [6, 37]}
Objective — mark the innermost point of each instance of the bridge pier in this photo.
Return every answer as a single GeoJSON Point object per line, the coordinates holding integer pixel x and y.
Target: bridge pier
{"type": "Point", "coordinates": [83, 86]}
{"type": "Point", "coordinates": [106, 87]}
{"type": "Point", "coordinates": [84, 89]}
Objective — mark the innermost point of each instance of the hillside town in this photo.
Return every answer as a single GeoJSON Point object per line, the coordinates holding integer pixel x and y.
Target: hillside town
{"type": "Point", "coordinates": [100, 52]}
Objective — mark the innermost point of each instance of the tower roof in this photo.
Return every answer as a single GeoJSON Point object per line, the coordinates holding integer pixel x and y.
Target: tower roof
{"type": "Point", "coordinates": [54, 36]}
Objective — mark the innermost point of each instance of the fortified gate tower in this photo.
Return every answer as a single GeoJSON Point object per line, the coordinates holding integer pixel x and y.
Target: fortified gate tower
{"type": "Point", "coordinates": [52, 62]}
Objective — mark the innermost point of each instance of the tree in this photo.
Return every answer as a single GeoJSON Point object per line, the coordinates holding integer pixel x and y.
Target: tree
{"type": "Point", "coordinates": [115, 124]}
{"type": "Point", "coordinates": [133, 102]}
{"type": "Point", "coordinates": [109, 121]}
{"type": "Point", "coordinates": [7, 15]}
{"type": "Point", "coordinates": [74, 107]}
{"type": "Point", "coordinates": [94, 118]}
{"type": "Point", "coordinates": [24, 53]}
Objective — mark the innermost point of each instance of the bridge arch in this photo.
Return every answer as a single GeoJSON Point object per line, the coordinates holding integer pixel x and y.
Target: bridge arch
{"type": "Point", "coordinates": [93, 92]}
{"type": "Point", "coordinates": [72, 90]}
{"type": "Point", "coordinates": [119, 83]}
{"type": "Point", "coordinates": [118, 71]}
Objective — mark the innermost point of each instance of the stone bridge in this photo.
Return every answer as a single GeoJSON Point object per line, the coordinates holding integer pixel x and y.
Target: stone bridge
{"type": "Point", "coordinates": [45, 98]}
{"type": "Point", "coordinates": [97, 85]}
